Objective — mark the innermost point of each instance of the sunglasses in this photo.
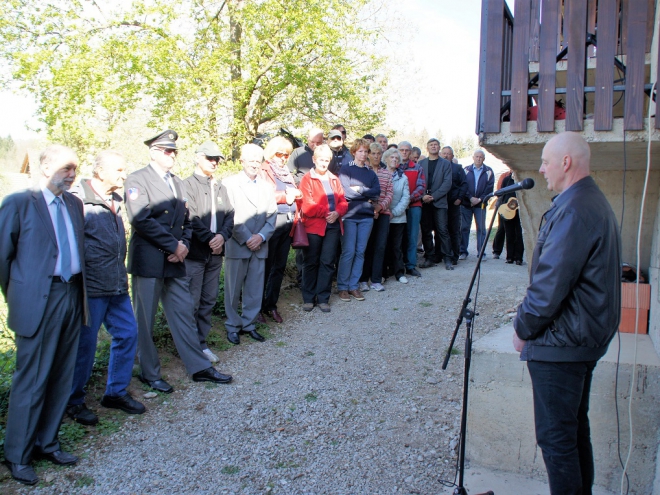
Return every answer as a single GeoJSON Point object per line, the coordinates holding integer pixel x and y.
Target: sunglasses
{"type": "Point", "coordinates": [282, 154]}
{"type": "Point", "coordinates": [168, 151]}
{"type": "Point", "coordinates": [212, 158]}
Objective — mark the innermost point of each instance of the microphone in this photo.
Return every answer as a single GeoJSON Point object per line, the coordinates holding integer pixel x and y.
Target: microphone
{"type": "Point", "coordinates": [524, 184]}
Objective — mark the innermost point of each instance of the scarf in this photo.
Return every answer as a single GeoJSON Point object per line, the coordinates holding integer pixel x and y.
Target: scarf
{"type": "Point", "coordinates": [282, 173]}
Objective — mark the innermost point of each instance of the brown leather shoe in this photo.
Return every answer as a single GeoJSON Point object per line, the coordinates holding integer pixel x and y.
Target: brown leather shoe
{"type": "Point", "coordinates": [275, 315]}
{"type": "Point", "coordinates": [261, 319]}
{"type": "Point", "coordinates": [343, 295]}
{"type": "Point", "coordinates": [356, 294]}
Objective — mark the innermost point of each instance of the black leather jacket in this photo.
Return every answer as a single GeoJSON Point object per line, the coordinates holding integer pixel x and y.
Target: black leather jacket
{"type": "Point", "coordinates": [573, 303]}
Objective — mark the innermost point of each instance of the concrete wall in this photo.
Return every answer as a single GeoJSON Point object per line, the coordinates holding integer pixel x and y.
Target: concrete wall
{"type": "Point", "coordinates": [537, 201]}
{"type": "Point", "coordinates": [654, 279]}
{"type": "Point", "coordinates": [501, 419]}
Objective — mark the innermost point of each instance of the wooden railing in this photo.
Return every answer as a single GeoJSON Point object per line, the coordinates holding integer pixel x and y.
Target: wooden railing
{"type": "Point", "coordinates": [600, 46]}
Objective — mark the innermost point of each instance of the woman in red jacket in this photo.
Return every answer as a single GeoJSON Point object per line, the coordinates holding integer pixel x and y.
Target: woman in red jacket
{"type": "Point", "coordinates": [323, 205]}
{"type": "Point", "coordinates": [274, 169]}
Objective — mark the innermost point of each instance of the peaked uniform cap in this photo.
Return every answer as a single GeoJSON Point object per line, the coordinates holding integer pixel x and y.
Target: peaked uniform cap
{"type": "Point", "coordinates": [166, 139]}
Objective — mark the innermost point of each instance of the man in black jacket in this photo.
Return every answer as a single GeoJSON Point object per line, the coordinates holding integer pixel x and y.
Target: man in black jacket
{"type": "Point", "coordinates": [300, 162]}
{"type": "Point", "coordinates": [571, 310]}
{"type": "Point", "coordinates": [454, 199]}
{"type": "Point", "coordinates": [212, 218]}
{"type": "Point", "coordinates": [107, 291]}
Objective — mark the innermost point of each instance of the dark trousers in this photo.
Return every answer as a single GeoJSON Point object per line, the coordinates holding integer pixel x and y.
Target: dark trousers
{"type": "Point", "coordinates": [435, 234]}
{"type": "Point", "coordinates": [374, 256]}
{"type": "Point", "coordinates": [498, 241]}
{"type": "Point", "coordinates": [514, 238]}
{"type": "Point", "coordinates": [278, 252]}
{"type": "Point", "coordinates": [394, 256]}
{"type": "Point", "coordinates": [41, 384]}
{"type": "Point", "coordinates": [204, 279]}
{"type": "Point", "coordinates": [319, 265]}
{"type": "Point", "coordinates": [561, 407]}
{"type": "Point", "coordinates": [454, 224]}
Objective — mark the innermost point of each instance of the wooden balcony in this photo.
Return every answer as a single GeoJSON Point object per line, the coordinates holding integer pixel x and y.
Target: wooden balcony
{"type": "Point", "coordinates": [593, 56]}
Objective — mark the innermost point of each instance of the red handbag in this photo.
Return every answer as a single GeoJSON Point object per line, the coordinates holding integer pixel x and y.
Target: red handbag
{"type": "Point", "coordinates": [299, 233]}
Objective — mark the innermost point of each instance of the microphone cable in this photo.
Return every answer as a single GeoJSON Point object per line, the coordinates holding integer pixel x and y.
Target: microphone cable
{"type": "Point", "coordinates": [624, 475]}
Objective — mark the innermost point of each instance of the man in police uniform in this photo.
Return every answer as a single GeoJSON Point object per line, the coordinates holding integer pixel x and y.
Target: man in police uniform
{"type": "Point", "coordinates": [160, 239]}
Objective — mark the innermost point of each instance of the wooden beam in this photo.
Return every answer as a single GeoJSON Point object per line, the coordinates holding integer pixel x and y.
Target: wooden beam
{"type": "Point", "coordinates": [576, 18]}
{"type": "Point", "coordinates": [633, 110]}
{"type": "Point", "coordinates": [520, 65]}
{"type": "Point", "coordinates": [607, 40]}
{"type": "Point", "coordinates": [548, 66]}
{"type": "Point", "coordinates": [493, 74]}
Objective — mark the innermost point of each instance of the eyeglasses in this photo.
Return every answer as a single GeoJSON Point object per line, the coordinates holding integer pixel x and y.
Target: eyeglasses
{"type": "Point", "coordinates": [212, 158]}
{"type": "Point", "coordinates": [168, 151]}
{"type": "Point", "coordinates": [282, 154]}
{"type": "Point", "coordinates": [334, 137]}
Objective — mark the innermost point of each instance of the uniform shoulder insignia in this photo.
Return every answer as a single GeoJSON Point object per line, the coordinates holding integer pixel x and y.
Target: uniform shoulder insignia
{"type": "Point", "coordinates": [133, 193]}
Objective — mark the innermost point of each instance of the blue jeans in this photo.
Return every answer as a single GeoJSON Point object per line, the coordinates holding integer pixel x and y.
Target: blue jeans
{"type": "Point", "coordinates": [353, 244]}
{"type": "Point", "coordinates": [466, 223]}
{"type": "Point", "coordinates": [561, 407]}
{"type": "Point", "coordinates": [414, 216]}
{"type": "Point", "coordinates": [116, 313]}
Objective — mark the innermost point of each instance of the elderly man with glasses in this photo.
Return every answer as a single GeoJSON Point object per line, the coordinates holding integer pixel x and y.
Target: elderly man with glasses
{"type": "Point", "coordinates": [159, 244]}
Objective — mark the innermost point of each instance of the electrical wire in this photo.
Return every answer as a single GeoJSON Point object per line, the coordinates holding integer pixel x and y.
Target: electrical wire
{"type": "Point", "coordinates": [624, 475]}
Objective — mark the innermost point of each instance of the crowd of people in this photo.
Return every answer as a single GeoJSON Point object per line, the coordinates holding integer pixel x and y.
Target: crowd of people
{"type": "Point", "coordinates": [66, 261]}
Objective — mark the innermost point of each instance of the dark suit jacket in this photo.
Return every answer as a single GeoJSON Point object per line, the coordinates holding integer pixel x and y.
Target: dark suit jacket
{"type": "Point", "coordinates": [159, 222]}
{"type": "Point", "coordinates": [200, 202]}
{"type": "Point", "coordinates": [28, 254]}
{"type": "Point", "coordinates": [441, 184]}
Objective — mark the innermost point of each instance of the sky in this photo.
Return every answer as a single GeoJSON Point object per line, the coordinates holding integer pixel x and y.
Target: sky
{"type": "Point", "coordinates": [433, 81]}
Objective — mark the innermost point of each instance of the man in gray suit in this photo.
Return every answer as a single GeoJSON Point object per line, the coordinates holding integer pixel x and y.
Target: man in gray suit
{"type": "Point", "coordinates": [41, 276]}
{"type": "Point", "coordinates": [255, 213]}
{"type": "Point", "coordinates": [160, 239]}
{"type": "Point", "coordinates": [435, 224]}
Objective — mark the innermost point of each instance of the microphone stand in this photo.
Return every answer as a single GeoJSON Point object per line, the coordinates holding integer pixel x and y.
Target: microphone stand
{"type": "Point", "coordinates": [468, 315]}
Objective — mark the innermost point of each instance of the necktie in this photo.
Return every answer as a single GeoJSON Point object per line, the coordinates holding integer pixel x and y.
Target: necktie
{"type": "Point", "coordinates": [213, 207]}
{"type": "Point", "coordinates": [63, 242]}
{"type": "Point", "coordinates": [167, 181]}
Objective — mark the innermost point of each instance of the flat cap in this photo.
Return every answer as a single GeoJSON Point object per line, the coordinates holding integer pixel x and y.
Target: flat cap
{"type": "Point", "coordinates": [166, 139]}
{"type": "Point", "coordinates": [335, 133]}
{"type": "Point", "coordinates": [209, 148]}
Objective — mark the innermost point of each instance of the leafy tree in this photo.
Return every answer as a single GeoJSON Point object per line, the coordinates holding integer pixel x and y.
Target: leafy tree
{"type": "Point", "coordinates": [463, 146]}
{"type": "Point", "coordinates": [6, 146]}
{"type": "Point", "coordinates": [224, 70]}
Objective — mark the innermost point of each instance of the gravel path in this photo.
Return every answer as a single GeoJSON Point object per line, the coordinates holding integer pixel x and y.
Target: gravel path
{"type": "Point", "coordinates": [353, 401]}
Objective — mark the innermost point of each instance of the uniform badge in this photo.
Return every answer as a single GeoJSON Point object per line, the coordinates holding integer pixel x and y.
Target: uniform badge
{"type": "Point", "coordinates": [133, 193]}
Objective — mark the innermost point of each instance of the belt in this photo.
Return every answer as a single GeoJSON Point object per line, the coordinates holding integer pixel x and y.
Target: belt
{"type": "Point", "coordinates": [74, 279]}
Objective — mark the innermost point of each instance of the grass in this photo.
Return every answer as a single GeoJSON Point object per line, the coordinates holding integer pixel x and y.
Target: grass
{"type": "Point", "coordinates": [70, 435]}
{"type": "Point", "coordinates": [84, 481]}
{"type": "Point", "coordinates": [311, 397]}
{"type": "Point", "coordinates": [230, 469]}
{"type": "Point", "coordinates": [425, 304]}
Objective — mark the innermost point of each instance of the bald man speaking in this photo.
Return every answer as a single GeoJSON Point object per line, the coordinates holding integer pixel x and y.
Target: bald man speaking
{"type": "Point", "coordinates": [571, 311]}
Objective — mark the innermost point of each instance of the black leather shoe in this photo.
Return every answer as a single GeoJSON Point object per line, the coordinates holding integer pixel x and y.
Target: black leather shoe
{"type": "Point", "coordinates": [256, 336]}
{"type": "Point", "coordinates": [211, 375]}
{"type": "Point", "coordinates": [157, 385]}
{"type": "Point", "coordinates": [80, 414]}
{"type": "Point", "coordinates": [23, 473]}
{"type": "Point", "coordinates": [126, 403]}
{"type": "Point", "coordinates": [59, 457]}
{"type": "Point", "coordinates": [233, 338]}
